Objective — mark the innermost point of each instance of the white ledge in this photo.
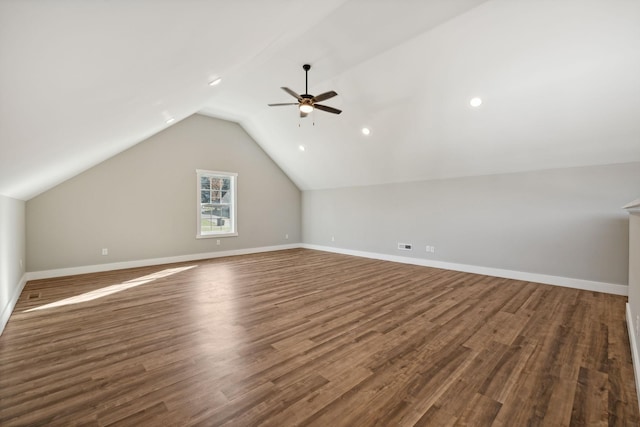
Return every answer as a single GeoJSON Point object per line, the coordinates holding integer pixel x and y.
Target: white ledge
{"type": "Point", "coordinates": [633, 206]}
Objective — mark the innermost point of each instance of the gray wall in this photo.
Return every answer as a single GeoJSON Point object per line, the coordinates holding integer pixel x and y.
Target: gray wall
{"type": "Point", "coordinates": [141, 204]}
{"type": "Point", "coordinates": [564, 222]}
{"type": "Point", "coordinates": [12, 254]}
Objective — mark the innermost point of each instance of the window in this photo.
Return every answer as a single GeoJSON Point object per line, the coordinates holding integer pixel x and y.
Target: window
{"type": "Point", "coordinates": [216, 204]}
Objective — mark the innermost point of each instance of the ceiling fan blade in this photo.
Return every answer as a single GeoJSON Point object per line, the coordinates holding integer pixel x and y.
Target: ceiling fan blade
{"type": "Point", "coordinates": [324, 96]}
{"type": "Point", "coordinates": [292, 93]}
{"type": "Point", "coordinates": [286, 103]}
{"type": "Point", "coordinates": [327, 109]}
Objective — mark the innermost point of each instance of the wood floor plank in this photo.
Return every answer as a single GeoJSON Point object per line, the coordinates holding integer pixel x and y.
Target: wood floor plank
{"type": "Point", "coordinates": [481, 411]}
{"type": "Point", "coordinates": [435, 416]}
{"type": "Point", "coordinates": [303, 338]}
{"type": "Point", "coordinates": [500, 382]}
{"type": "Point", "coordinates": [469, 383]}
{"type": "Point", "coordinates": [591, 399]}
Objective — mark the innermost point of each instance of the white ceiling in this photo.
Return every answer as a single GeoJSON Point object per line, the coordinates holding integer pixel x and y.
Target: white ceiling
{"type": "Point", "coordinates": [81, 81]}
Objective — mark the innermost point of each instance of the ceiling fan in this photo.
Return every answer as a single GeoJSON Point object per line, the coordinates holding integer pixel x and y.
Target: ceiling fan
{"type": "Point", "coordinates": [307, 103]}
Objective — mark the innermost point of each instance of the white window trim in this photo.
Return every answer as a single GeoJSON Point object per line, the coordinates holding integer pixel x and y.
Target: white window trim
{"type": "Point", "coordinates": [234, 205]}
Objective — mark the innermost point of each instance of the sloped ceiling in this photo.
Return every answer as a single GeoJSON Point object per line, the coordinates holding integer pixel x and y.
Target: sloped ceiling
{"type": "Point", "coordinates": [82, 81]}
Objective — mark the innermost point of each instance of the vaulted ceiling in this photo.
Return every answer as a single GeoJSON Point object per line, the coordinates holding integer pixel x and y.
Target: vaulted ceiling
{"type": "Point", "coordinates": [83, 81]}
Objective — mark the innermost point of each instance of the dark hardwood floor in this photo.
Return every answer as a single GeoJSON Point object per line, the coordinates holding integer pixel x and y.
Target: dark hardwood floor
{"type": "Point", "coordinates": [301, 337]}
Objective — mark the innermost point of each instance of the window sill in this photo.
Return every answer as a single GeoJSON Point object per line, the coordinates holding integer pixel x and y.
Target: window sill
{"type": "Point", "coordinates": [215, 236]}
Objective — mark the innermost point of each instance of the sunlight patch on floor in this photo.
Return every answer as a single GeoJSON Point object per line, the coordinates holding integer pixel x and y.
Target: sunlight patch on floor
{"type": "Point", "coordinates": [110, 290]}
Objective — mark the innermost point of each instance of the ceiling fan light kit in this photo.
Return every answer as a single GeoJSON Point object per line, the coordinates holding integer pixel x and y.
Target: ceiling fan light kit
{"type": "Point", "coordinates": [306, 108]}
{"type": "Point", "coordinates": [307, 103]}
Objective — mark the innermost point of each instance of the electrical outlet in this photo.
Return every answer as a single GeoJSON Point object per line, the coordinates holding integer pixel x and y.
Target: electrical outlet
{"type": "Point", "coordinates": [218, 242]}
{"type": "Point", "coordinates": [405, 246]}
{"type": "Point", "coordinates": [333, 239]}
{"type": "Point", "coordinates": [105, 251]}
{"type": "Point", "coordinates": [431, 249]}
{"type": "Point", "coordinates": [286, 236]}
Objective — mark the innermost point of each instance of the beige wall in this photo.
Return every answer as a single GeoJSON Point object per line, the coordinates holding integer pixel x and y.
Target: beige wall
{"type": "Point", "coordinates": [141, 204]}
{"type": "Point", "coordinates": [562, 222]}
{"type": "Point", "coordinates": [12, 254]}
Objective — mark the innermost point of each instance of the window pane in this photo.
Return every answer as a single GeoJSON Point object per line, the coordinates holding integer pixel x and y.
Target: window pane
{"type": "Point", "coordinates": [205, 196]}
{"type": "Point", "coordinates": [216, 183]}
{"type": "Point", "coordinates": [226, 185]}
{"type": "Point", "coordinates": [204, 182]}
{"type": "Point", "coordinates": [215, 197]}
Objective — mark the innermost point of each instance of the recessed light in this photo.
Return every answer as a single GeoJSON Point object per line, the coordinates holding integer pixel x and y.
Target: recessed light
{"type": "Point", "coordinates": [301, 147]}
{"type": "Point", "coordinates": [366, 131]}
{"type": "Point", "coordinates": [170, 120]}
{"type": "Point", "coordinates": [475, 102]}
{"type": "Point", "coordinates": [215, 82]}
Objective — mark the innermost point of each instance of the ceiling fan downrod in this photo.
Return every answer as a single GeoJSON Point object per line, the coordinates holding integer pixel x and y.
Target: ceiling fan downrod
{"type": "Point", "coordinates": [306, 68]}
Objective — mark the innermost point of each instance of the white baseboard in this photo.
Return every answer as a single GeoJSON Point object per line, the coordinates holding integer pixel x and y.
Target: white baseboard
{"type": "Point", "coordinates": [568, 282]}
{"type": "Point", "coordinates": [60, 272]}
{"type": "Point", "coordinates": [634, 350]}
{"type": "Point", "coordinates": [13, 299]}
